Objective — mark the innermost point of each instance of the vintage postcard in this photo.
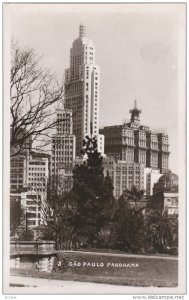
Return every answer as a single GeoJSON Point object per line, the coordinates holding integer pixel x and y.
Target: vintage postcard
{"type": "Point", "coordinates": [94, 124]}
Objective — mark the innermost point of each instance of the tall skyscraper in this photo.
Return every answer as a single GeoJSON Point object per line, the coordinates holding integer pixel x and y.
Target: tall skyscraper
{"type": "Point", "coordinates": [82, 88]}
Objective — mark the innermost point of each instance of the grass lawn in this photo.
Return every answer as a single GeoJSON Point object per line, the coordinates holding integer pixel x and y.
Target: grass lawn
{"type": "Point", "coordinates": [130, 270]}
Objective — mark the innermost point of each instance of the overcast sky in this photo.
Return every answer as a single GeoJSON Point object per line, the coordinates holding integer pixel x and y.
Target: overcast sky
{"type": "Point", "coordinates": [136, 48]}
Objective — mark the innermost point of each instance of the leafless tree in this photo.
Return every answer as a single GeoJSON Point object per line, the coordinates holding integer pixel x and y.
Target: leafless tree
{"type": "Point", "coordinates": [34, 95]}
{"type": "Point", "coordinates": [58, 215]}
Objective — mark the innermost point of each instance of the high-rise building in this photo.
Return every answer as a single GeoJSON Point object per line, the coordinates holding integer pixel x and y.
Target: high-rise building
{"type": "Point", "coordinates": [133, 142]}
{"type": "Point", "coordinates": [63, 145]}
{"type": "Point", "coordinates": [124, 175]}
{"type": "Point", "coordinates": [82, 81]}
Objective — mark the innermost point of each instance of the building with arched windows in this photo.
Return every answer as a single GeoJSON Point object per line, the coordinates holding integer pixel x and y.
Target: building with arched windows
{"type": "Point", "coordinates": [134, 142]}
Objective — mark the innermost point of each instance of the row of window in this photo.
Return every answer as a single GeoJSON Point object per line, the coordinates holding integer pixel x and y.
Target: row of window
{"type": "Point", "coordinates": [38, 163]}
{"type": "Point", "coordinates": [16, 181]}
{"type": "Point", "coordinates": [37, 169]}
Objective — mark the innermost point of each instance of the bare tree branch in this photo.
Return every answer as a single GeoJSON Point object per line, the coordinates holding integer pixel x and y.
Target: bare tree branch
{"type": "Point", "coordinates": [34, 93]}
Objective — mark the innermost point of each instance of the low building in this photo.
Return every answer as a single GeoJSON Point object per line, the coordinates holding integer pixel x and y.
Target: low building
{"type": "Point", "coordinates": [31, 203]}
{"type": "Point", "coordinates": [167, 183]}
{"type": "Point", "coordinates": [166, 202]}
{"type": "Point", "coordinates": [143, 204]}
{"type": "Point", "coordinates": [165, 194]}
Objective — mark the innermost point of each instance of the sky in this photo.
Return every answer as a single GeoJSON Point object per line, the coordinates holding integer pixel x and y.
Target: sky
{"type": "Point", "coordinates": [137, 49]}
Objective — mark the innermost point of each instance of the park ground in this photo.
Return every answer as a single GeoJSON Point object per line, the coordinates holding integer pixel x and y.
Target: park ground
{"type": "Point", "coordinates": [108, 268]}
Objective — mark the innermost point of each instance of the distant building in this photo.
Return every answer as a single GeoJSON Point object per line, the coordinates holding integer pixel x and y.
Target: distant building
{"type": "Point", "coordinates": [143, 204]}
{"type": "Point", "coordinates": [18, 173]}
{"type": "Point", "coordinates": [31, 203]}
{"type": "Point", "coordinates": [166, 202]}
{"type": "Point", "coordinates": [63, 147]}
{"type": "Point", "coordinates": [133, 142]}
{"type": "Point", "coordinates": [168, 182]}
{"type": "Point", "coordinates": [19, 155]}
{"type": "Point", "coordinates": [82, 81]}
{"type": "Point", "coordinates": [31, 188]}
{"type": "Point", "coordinates": [100, 143]}
{"type": "Point", "coordinates": [64, 178]}
{"type": "Point", "coordinates": [124, 175]}
{"type": "Point", "coordinates": [37, 174]}
{"type": "Point", "coordinates": [165, 194]}
{"type": "Point", "coordinates": [150, 178]}
{"type": "Point", "coordinates": [20, 142]}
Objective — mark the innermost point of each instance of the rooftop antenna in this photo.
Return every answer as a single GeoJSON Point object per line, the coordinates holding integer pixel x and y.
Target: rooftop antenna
{"type": "Point", "coordinates": [135, 104]}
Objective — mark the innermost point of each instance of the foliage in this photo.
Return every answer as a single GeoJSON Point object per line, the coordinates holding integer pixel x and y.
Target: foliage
{"type": "Point", "coordinates": [25, 234]}
{"type": "Point", "coordinates": [106, 238]}
{"type": "Point", "coordinates": [161, 230]}
{"type": "Point", "coordinates": [45, 233]}
{"type": "Point", "coordinates": [133, 195]}
{"type": "Point", "coordinates": [96, 203]}
{"type": "Point", "coordinates": [58, 215]}
{"type": "Point", "coordinates": [130, 229]}
{"type": "Point", "coordinates": [17, 217]}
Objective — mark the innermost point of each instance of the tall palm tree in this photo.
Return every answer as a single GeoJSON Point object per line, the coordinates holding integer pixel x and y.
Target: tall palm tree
{"type": "Point", "coordinates": [134, 195]}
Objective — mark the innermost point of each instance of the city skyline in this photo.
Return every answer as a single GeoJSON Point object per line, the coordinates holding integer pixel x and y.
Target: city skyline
{"type": "Point", "coordinates": [138, 60]}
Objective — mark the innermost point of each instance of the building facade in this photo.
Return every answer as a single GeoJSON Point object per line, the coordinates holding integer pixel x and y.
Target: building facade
{"type": "Point", "coordinates": [124, 175]}
{"type": "Point", "coordinates": [150, 178]}
{"type": "Point", "coordinates": [37, 174]}
{"type": "Point", "coordinates": [165, 194]}
{"type": "Point", "coordinates": [165, 202]}
{"type": "Point", "coordinates": [63, 147]}
{"type": "Point", "coordinates": [18, 173]}
{"type": "Point", "coordinates": [168, 182]}
{"type": "Point", "coordinates": [31, 189]}
{"type": "Point", "coordinates": [31, 202]}
{"type": "Point", "coordinates": [133, 142]}
{"type": "Point", "coordinates": [82, 81]}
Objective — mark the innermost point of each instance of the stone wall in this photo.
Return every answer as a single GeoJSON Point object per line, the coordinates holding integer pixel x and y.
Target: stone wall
{"type": "Point", "coordinates": [35, 255]}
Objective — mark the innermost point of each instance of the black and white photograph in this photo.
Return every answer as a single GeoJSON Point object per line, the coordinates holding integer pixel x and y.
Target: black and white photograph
{"type": "Point", "coordinates": [94, 165]}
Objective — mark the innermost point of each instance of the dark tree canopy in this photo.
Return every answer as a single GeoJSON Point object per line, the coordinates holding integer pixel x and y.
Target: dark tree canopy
{"type": "Point", "coordinates": [130, 228]}
{"type": "Point", "coordinates": [17, 217]}
{"type": "Point", "coordinates": [95, 191]}
{"type": "Point", "coordinates": [134, 194]}
{"type": "Point", "coordinates": [161, 230]}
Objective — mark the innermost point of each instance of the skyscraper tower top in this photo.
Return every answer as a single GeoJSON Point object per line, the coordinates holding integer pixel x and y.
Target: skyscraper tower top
{"type": "Point", "coordinates": [135, 114]}
{"type": "Point", "coordinates": [82, 31]}
{"type": "Point", "coordinates": [82, 95]}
